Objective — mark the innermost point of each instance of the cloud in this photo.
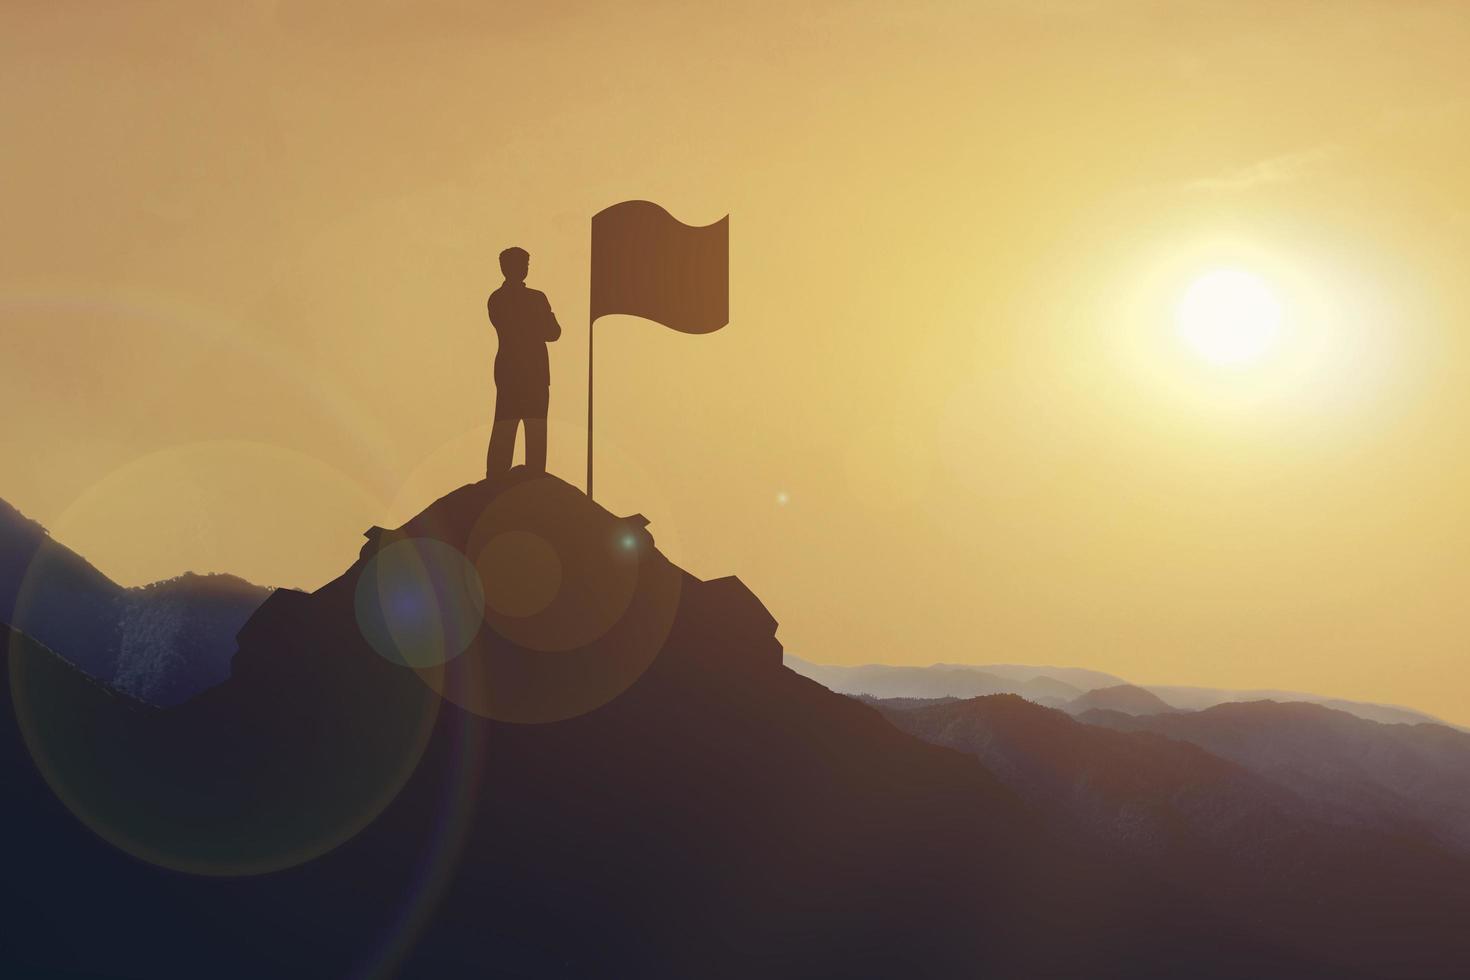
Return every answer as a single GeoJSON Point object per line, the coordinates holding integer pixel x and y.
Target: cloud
{"type": "Point", "coordinates": [1426, 126]}
{"type": "Point", "coordinates": [1273, 170]}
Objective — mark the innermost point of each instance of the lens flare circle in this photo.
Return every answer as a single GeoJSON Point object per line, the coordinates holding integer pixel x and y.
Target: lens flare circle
{"type": "Point", "coordinates": [245, 778]}
{"type": "Point", "coordinates": [578, 604]}
{"type": "Point", "coordinates": [211, 787]}
{"type": "Point", "coordinates": [419, 602]}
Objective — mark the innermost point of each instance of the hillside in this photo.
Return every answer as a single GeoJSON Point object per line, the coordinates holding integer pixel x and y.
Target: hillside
{"type": "Point", "coordinates": [1411, 779]}
{"type": "Point", "coordinates": [1178, 814]}
{"type": "Point", "coordinates": [162, 643]}
{"type": "Point", "coordinates": [1152, 798]}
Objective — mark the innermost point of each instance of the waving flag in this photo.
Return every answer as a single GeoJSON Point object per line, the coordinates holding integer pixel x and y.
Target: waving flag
{"type": "Point", "coordinates": [646, 262]}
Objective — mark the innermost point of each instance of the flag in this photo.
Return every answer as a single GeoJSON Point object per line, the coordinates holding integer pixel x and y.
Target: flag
{"type": "Point", "coordinates": [647, 263]}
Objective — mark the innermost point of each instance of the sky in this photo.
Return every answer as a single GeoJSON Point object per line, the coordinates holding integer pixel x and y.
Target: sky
{"type": "Point", "coordinates": [247, 249]}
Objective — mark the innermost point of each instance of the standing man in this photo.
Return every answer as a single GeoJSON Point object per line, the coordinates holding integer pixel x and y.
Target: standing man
{"type": "Point", "coordinates": [524, 323]}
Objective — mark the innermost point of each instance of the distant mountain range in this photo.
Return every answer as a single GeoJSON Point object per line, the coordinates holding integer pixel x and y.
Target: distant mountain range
{"type": "Point", "coordinates": [1045, 685]}
{"type": "Point", "coordinates": [1227, 766]}
{"type": "Point", "coordinates": [1064, 687]}
{"type": "Point", "coordinates": [1272, 804]}
{"type": "Point", "coordinates": [1198, 698]}
{"type": "Point", "coordinates": [161, 643]}
{"type": "Point", "coordinates": [1395, 778]}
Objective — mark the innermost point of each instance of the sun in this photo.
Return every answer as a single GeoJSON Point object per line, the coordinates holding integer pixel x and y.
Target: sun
{"type": "Point", "coordinates": [1230, 317]}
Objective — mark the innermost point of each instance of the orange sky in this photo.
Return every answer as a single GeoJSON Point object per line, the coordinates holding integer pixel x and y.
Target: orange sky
{"type": "Point", "coordinates": [246, 252]}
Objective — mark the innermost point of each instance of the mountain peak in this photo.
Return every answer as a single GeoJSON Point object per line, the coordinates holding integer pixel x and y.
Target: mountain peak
{"type": "Point", "coordinates": [519, 599]}
{"type": "Point", "coordinates": [1126, 698]}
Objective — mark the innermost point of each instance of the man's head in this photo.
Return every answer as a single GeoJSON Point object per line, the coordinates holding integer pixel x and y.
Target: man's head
{"type": "Point", "coordinates": [514, 262]}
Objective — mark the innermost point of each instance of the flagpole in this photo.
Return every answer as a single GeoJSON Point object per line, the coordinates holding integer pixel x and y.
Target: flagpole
{"type": "Point", "coordinates": [589, 403]}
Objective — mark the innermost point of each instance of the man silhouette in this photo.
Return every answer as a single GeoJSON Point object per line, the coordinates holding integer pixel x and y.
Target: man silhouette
{"type": "Point", "coordinates": [524, 323]}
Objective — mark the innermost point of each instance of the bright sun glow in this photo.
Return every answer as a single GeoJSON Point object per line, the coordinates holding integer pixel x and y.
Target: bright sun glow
{"type": "Point", "coordinates": [1229, 316]}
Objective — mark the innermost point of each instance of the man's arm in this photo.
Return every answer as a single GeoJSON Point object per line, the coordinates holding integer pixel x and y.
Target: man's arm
{"type": "Point", "coordinates": [551, 330]}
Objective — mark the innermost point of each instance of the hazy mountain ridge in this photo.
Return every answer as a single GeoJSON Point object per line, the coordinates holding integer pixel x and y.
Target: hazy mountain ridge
{"type": "Point", "coordinates": [1198, 698]}
{"type": "Point", "coordinates": [1158, 799]}
{"type": "Point", "coordinates": [938, 680]}
{"type": "Point", "coordinates": [1121, 697]}
{"type": "Point", "coordinates": [1058, 687]}
{"type": "Point", "coordinates": [1077, 678]}
{"type": "Point", "coordinates": [1412, 778]}
{"type": "Point", "coordinates": [1143, 795]}
{"type": "Point", "coordinates": [162, 642]}
{"type": "Point", "coordinates": [1187, 815]}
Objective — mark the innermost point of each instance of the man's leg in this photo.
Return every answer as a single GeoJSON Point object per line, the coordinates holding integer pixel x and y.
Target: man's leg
{"type": "Point", "coordinates": [537, 403]}
{"type": "Point", "coordinates": [536, 445]}
{"type": "Point", "coordinates": [503, 446]}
